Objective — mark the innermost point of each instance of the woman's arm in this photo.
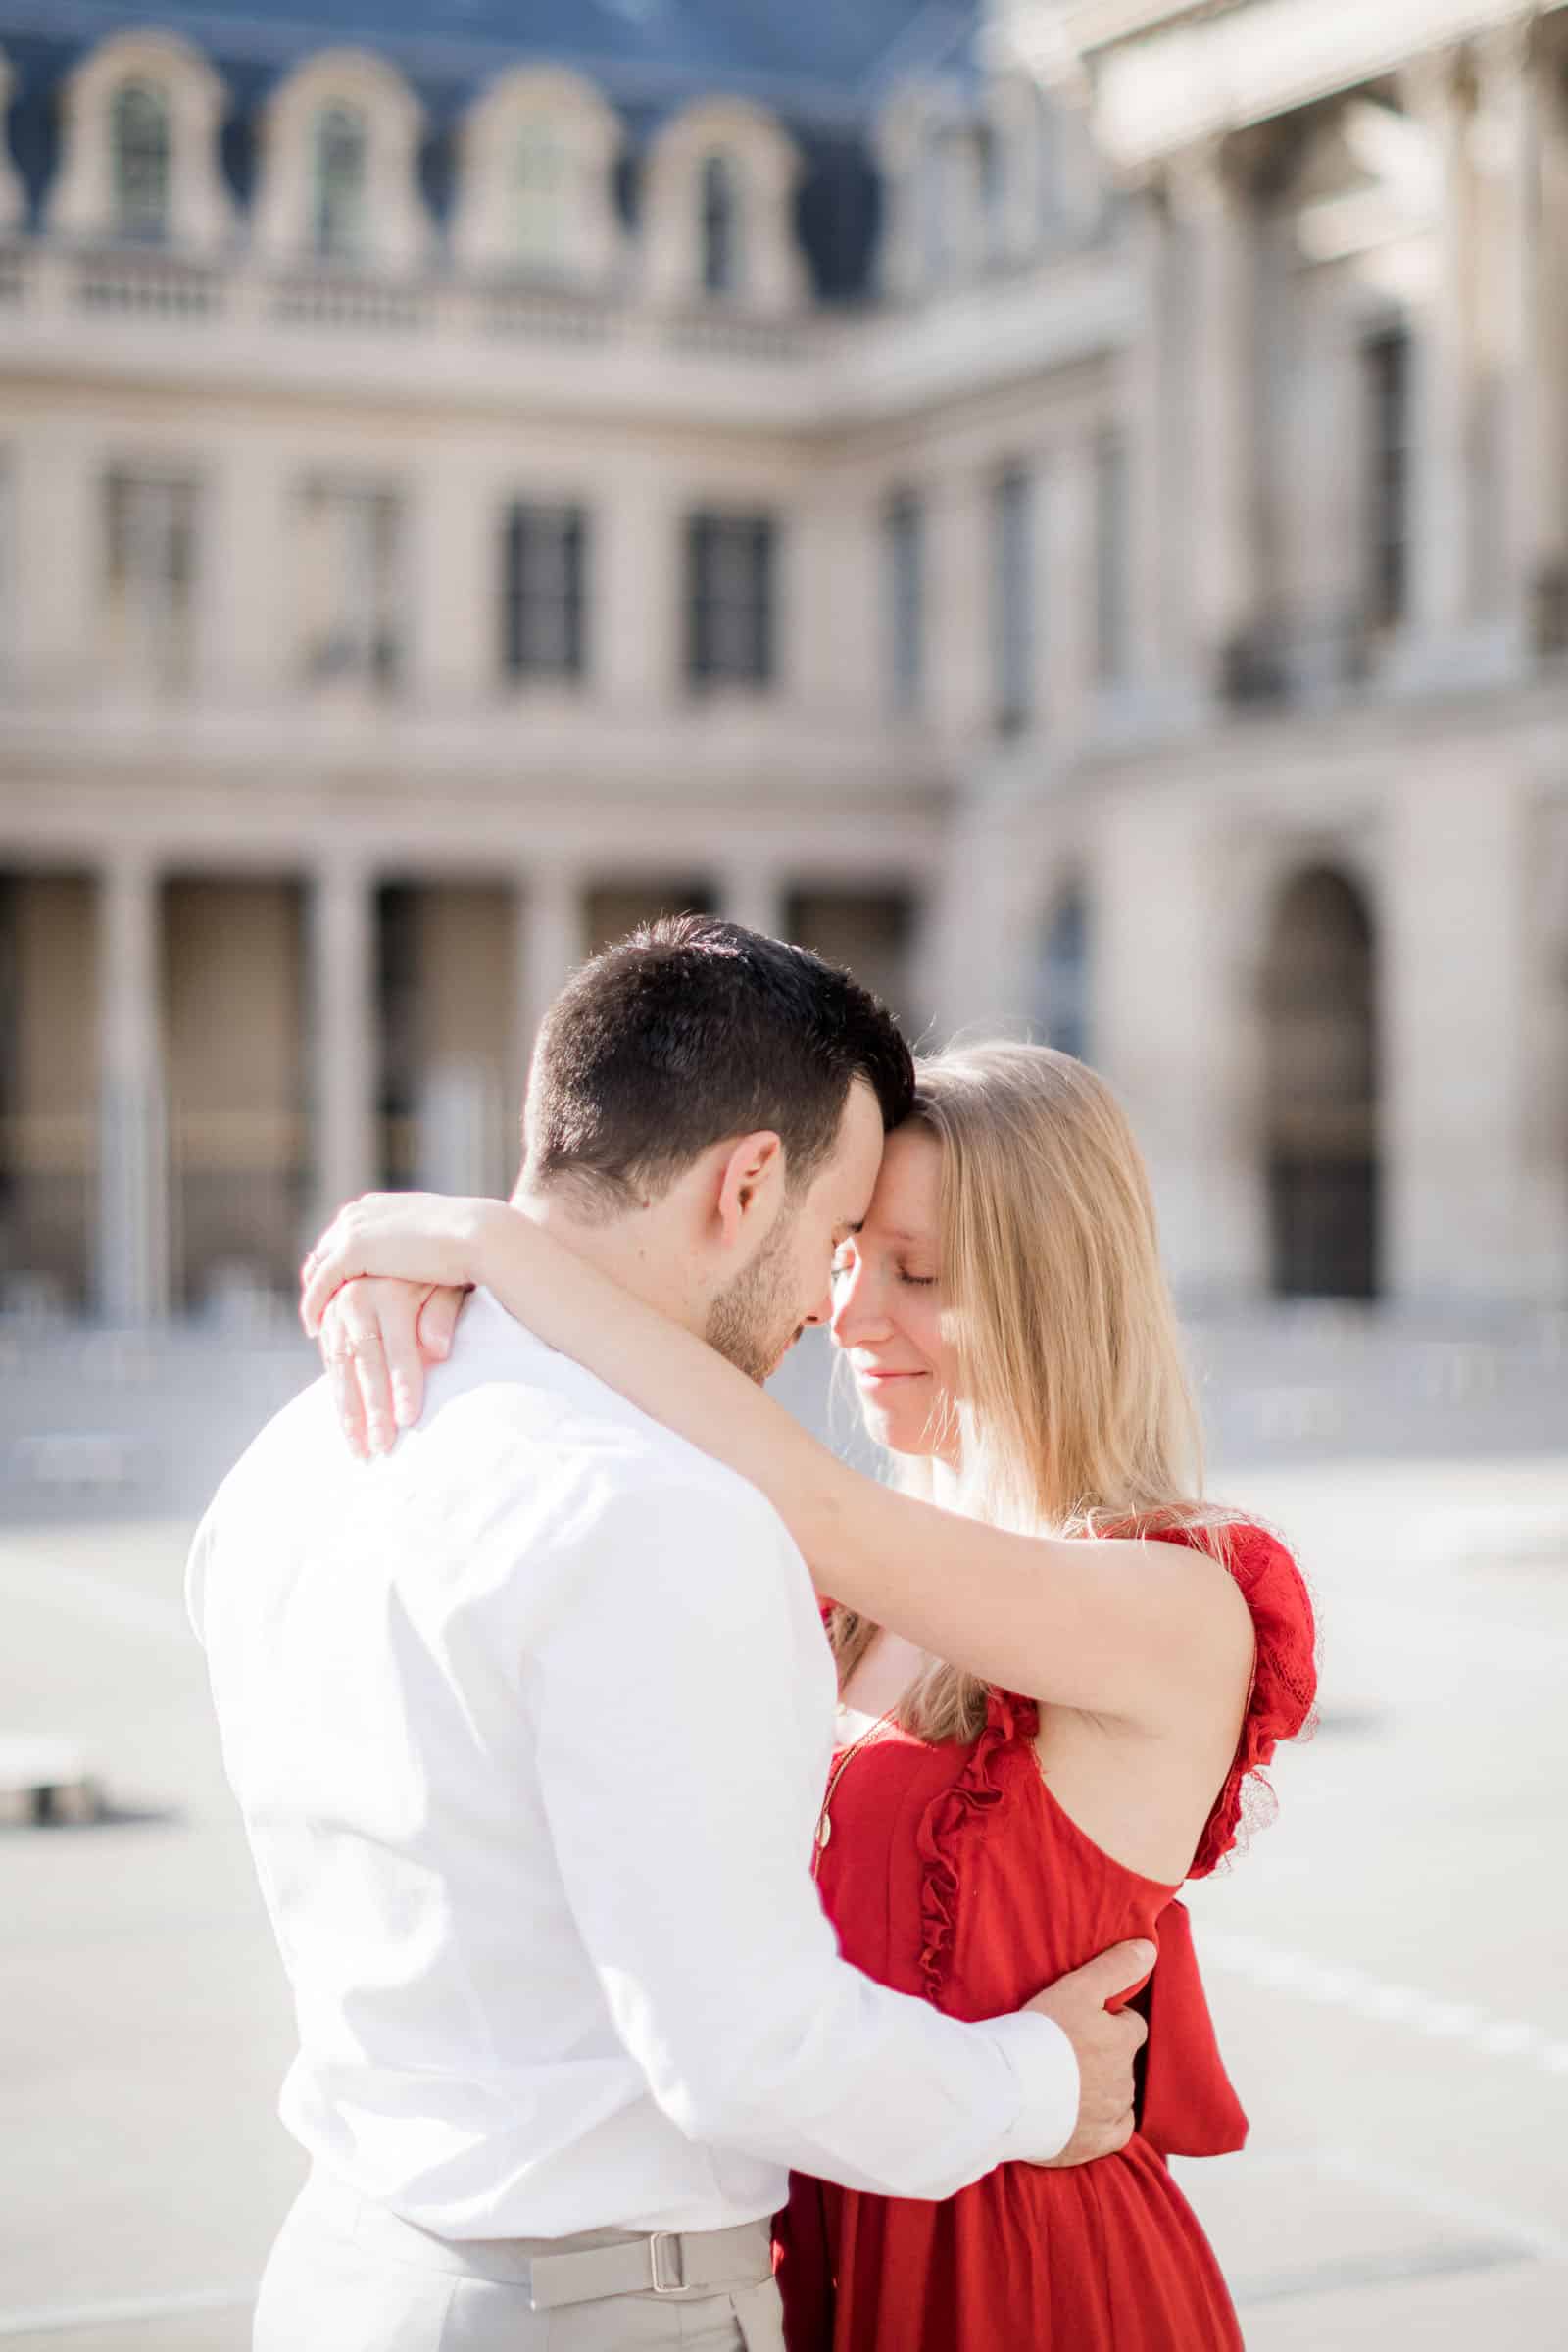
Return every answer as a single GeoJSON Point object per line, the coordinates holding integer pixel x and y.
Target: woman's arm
{"type": "Point", "coordinates": [1141, 1630]}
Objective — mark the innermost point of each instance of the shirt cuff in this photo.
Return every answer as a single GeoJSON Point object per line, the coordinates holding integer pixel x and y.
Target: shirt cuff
{"type": "Point", "coordinates": [1046, 2067]}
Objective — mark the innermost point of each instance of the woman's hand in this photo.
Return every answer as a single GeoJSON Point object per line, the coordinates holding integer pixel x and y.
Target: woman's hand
{"type": "Point", "coordinates": [377, 1338]}
{"type": "Point", "coordinates": [382, 1291]}
{"type": "Point", "coordinates": [425, 1237]}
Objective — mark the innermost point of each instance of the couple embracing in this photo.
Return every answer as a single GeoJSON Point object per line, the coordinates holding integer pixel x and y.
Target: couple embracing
{"type": "Point", "coordinates": [729, 1901]}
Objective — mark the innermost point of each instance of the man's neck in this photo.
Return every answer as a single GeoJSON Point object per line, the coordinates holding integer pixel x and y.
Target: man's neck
{"type": "Point", "coordinates": [635, 1251]}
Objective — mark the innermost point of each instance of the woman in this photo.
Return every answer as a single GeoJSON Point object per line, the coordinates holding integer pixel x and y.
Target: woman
{"type": "Point", "coordinates": [1088, 1665]}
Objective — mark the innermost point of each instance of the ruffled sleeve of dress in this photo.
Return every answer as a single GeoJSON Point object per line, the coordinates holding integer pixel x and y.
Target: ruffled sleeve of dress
{"type": "Point", "coordinates": [1284, 1693]}
{"type": "Point", "coordinates": [953, 1817]}
{"type": "Point", "coordinates": [1188, 2107]}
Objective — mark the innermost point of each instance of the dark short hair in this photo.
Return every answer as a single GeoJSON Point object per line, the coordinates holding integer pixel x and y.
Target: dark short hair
{"type": "Point", "coordinates": [692, 1030]}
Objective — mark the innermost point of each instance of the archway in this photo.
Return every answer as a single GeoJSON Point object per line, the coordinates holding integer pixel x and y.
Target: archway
{"type": "Point", "coordinates": [1061, 1007]}
{"type": "Point", "coordinates": [1321, 1091]}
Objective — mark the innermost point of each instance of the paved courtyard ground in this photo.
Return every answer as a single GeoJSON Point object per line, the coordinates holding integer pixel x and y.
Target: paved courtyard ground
{"type": "Point", "coordinates": [1387, 1965]}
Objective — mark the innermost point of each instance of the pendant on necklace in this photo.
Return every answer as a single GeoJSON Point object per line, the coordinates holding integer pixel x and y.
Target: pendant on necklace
{"type": "Point", "coordinates": [825, 1832]}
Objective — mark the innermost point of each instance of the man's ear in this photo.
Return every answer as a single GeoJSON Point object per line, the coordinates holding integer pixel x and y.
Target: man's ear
{"type": "Point", "coordinates": [751, 1183]}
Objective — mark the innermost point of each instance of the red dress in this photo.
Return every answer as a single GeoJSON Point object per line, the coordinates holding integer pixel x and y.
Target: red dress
{"type": "Point", "coordinates": [953, 1872]}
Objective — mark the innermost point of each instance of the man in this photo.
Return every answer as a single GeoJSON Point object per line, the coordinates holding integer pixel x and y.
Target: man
{"type": "Point", "coordinates": [529, 1721]}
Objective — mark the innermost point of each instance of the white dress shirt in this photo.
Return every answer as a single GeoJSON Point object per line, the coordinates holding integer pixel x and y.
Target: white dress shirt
{"type": "Point", "coordinates": [529, 1723]}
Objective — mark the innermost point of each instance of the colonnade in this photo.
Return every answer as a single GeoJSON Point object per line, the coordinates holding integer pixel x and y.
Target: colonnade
{"type": "Point", "coordinates": [132, 1277]}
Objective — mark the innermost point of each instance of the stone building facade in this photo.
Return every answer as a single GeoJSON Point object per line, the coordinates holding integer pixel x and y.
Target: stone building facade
{"type": "Point", "coordinates": [1065, 509]}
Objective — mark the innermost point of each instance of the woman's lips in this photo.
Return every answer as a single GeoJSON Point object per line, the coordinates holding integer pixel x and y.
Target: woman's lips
{"type": "Point", "coordinates": [871, 1378]}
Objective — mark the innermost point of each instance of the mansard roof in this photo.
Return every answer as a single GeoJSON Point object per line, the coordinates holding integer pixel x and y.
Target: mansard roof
{"type": "Point", "coordinates": [823, 66]}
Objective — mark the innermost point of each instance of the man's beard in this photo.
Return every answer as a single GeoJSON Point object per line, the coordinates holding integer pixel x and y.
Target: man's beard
{"type": "Point", "coordinates": [754, 1323]}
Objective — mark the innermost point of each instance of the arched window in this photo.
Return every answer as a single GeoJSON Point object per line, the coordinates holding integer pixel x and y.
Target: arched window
{"type": "Point", "coordinates": [1321, 1103]}
{"type": "Point", "coordinates": [337, 194]}
{"type": "Point", "coordinates": [721, 227]}
{"type": "Point", "coordinates": [141, 158]}
{"type": "Point", "coordinates": [1061, 1011]}
{"type": "Point", "coordinates": [540, 192]}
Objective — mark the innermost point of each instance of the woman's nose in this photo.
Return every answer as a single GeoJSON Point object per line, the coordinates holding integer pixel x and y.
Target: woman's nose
{"type": "Point", "coordinates": [860, 1312]}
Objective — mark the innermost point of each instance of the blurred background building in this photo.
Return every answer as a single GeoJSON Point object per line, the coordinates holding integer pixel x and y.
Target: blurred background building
{"type": "Point", "coordinates": [1064, 508]}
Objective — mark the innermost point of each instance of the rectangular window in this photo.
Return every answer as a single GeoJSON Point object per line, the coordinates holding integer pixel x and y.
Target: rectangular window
{"type": "Point", "coordinates": [1388, 382]}
{"type": "Point", "coordinates": [1110, 559]}
{"type": "Point", "coordinates": [903, 549]}
{"type": "Point", "coordinates": [1012, 629]}
{"type": "Point", "coordinates": [351, 583]}
{"type": "Point", "coordinates": [150, 531]}
{"type": "Point", "coordinates": [731, 567]}
{"type": "Point", "coordinates": [544, 596]}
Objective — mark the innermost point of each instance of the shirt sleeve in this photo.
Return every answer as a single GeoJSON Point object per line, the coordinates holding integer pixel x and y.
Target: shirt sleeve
{"type": "Point", "coordinates": [679, 1737]}
{"type": "Point", "coordinates": [196, 1577]}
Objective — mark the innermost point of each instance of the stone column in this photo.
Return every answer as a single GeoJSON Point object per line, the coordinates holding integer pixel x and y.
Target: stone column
{"type": "Point", "coordinates": [1551, 402]}
{"type": "Point", "coordinates": [1066, 606]}
{"type": "Point", "coordinates": [752, 892]}
{"type": "Point", "coordinates": [58, 572]}
{"type": "Point", "coordinates": [1442, 533]}
{"type": "Point", "coordinates": [1217, 208]}
{"type": "Point", "coordinates": [454, 583]}
{"type": "Point", "coordinates": [1322, 496]}
{"type": "Point", "coordinates": [551, 941]}
{"type": "Point", "coordinates": [1457, 1030]}
{"type": "Point", "coordinates": [637, 581]}
{"type": "Point", "coordinates": [979, 928]}
{"type": "Point", "coordinates": [959, 588]}
{"type": "Point", "coordinates": [249, 619]}
{"type": "Point", "coordinates": [344, 1036]}
{"type": "Point", "coordinates": [132, 1269]}
{"type": "Point", "coordinates": [1170, 1020]}
{"type": "Point", "coordinates": [1512, 292]}
{"type": "Point", "coordinates": [1147, 422]}
{"type": "Point", "coordinates": [837, 601]}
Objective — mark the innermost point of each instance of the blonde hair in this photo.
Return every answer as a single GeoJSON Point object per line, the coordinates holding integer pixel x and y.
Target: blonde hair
{"type": "Point", "coordinates": [1074, 1412]}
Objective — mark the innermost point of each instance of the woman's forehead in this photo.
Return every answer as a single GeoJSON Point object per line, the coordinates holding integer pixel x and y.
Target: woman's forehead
{"type": "Point", "coordinates": [907, 1198]}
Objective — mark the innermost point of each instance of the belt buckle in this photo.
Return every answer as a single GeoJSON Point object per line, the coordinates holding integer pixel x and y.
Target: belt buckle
{"type": "Point", "coordinates": [670, 2275]}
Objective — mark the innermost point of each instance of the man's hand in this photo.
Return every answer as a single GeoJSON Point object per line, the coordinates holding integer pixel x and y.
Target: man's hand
{"type": "Point", "coordinates": [1104, 2044]}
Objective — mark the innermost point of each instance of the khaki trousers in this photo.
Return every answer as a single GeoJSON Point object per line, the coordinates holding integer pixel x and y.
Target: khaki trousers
{"type": "Point", "coordinates": [348, 2276]}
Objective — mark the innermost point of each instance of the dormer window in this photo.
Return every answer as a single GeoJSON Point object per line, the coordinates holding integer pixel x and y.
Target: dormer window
{"type": "Point", "coordinates": [721, 227]}
{"type": "Point", "coordinates": [339, 178]}
{"type": "Point", "coordinates": [939, 173]}
{"type": "Point", "coordinates": [718, 211]}
{"type": "Point", "coordinates": [140, 120]}
{"type": "Point", "coordinates": [339, 159]}
{"type": "Point", "coordinates": [542, 195]}
{"type": "Point", "coordinates": [536, 183]}
{"type": "Point", "coordinates": [1046, 188]}
{"type": "Point", "coordinates": [141, 158]}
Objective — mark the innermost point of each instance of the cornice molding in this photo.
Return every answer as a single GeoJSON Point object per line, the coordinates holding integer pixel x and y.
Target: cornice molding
{"type": "Point", "coordinates": [1165, 77]}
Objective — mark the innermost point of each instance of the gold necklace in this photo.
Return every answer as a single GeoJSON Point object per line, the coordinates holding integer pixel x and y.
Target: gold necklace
{"type": "Point", "coordinates": [824, 1824]}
